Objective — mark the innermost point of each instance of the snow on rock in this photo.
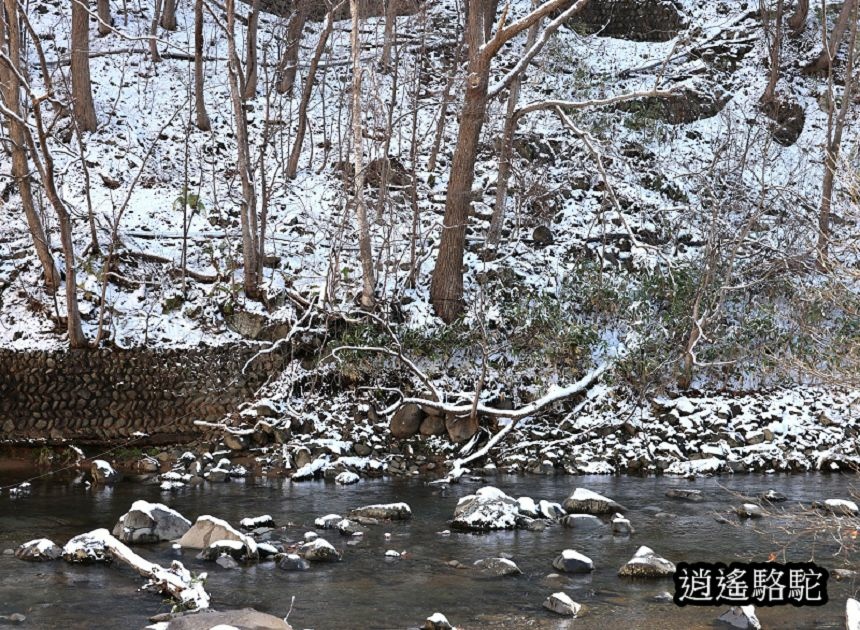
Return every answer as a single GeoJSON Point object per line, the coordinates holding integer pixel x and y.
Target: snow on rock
{"type": "Point", "coordinates": [347, 478]}
{"type": "Point", "coordinates": [384, 512]}
{"type": "Point", "coordinates": [38, 550]}
{"type": "Point", "coordinates": [840, 507]}
{"type": "Point", "coordinates": [293, 562]}
{"type": "Point", "coordinates": [103, 472]}
{"type": "Point", "coordinates": [311, 470]}
{"type": "Point", "coordinates": [622, 526]}
{"type": "Point", "coordinates": [329, 521]}
{"type": "Point", "coordinates": [741, 617]}
{"type": "Point", "coordinates": [528, 507]}
{"type": "Point", "coordinates": [497, 567]}
{"type": "Point", "coordinates": [228, 620]}
{"type": "Point", "coordinates": [707, 466]}
{"type": "Point", "coordinates": [646, 563]}
{"type": "Point", "coordinates": [584, 501]}
{"type": "Point", "coordinates": [208, 529]}
{"type": "Point", "coordinates": [488, 508]}
{"type": "Point", "coordinates": [685, 494]}
{"type": "Point", "coordinates": [87, 548]}
{"type": "Point", "coordinates": [749, 510]}
{"type": "Point", "coordinates": [253, 522]}
{"type": "Point", "coordinates": [561, 604]}
{"type": "Point", "coordinates": [571, 561]}
{"type": "Point", "coordinates": [150, 523]}
{"type": "Point", "coordinates": [319, 550]}
{"type": "Point", "coordinates": [236, 549]}
{"type": "Point", "coordinates": [437, 621]}
{"type": "Point", "coordinates": [852, 614]}
{"type": "Point", "coordinates": [550, 510]}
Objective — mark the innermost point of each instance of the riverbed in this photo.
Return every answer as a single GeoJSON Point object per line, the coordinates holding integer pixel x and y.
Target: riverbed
{"type": "Point", "coordinates": [368, 590]}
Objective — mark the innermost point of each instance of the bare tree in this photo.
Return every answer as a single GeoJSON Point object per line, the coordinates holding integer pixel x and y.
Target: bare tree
{"type": "Point", "coordinates": [290, 60]}
{"type": "Point", "coordinates": [10, 72]}
{"type": "Point", "coordinates": [391, 7]}
{"type": "Point", "coordinates": [364, 247]}
{"type": "Point", "coordinates": [168, 16]}
{"type": "Point", "coordinates": [774, 31]}
{"type": "Point", "coordinates": [835, 127]}
{"type": "Point", "coordinates": [250, 89]}
{"type": "Point", "coordinates": [103, 11]}
{"type": "Point", "coordinates": [202, 118]}
{"type": "Point", "coordinates": [153, 33]}
{"type": "Point", "coordinates": [832, 43]}
{"type": "Point", "coordinates": [82, 90]}
{"type": "Point", "coordinates": [797, 22]}
{"type": "Point", "coordinates": [446, 288]}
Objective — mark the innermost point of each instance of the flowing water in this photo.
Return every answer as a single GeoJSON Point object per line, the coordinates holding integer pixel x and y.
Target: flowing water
{"type": "Point", "coordinates": [367, 590]}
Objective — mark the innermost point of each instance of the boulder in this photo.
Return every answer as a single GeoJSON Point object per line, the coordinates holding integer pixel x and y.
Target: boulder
{"type": "Point", "coordinates": [209, 529]}
{"type": "Point", "coordinates": [103, 472]}
{"type": "Point", "coordinates": [293, 562]}
{"type": "Point", "coordinates": [437, 621]}
{"type": "Point", "coordinates": [149, 522]}
{"type": "Point", "coordinates": [622, 526]}
{"type": "Point", "coordinates": [550, 510]}
{"type": "Point", "coordinates": [38, 550]}
{"type": "Point", "coordinates": [406, 421]}
{"type": "Point", "coordinates": [571, 561]}
{"type": "Point", "coordinates": [384, 511]}
{"type": "Point", "coordinates": [772, 496]}
{"type": "Point", "coordinates": [489, 508]}
{"type": "Point", "coordinates": [243, 619]}
{"type": "Point", "coordinates": [852, 614]}
{"type": "Point", "coordinates": [87, 548]}
{"type": "Point", "coordinates": [235, 549]}
{"type": "Point", "coordinates": [685, 494]}
{"type": "Point", "coordinates": [319, 550]}
{"type": "Point", "coordinates": [584, 501]}
{"type": "Point", "coordinates": [347, 478]}
{"type": "Point", "coordinates": [741, 617]}
{"type": "Point", "coordinates": [255, 522]}
{"type": "Point", "coordinates": [528, 507]}
{"type": "Point", "coordinates": [433, 424]}
{"type": "Point", "coordinates": [749, 510]}
{"type": "Point", "coordinates": [840, 507]}
{"type": "Point", "coordinates": [647, 564]}
{"type": "Point", "coordinates": [350, 528]}
{"type": "Point", "coordinates": [497, 567]}
{"type": "Point", "coordinates": [582, 521]}
{"type": "Point", "coordinates": [459, 428]}
{"type": "Point", "coordinates": [561, 604]}
{"type": "Point", "coordinates": [329, 521]}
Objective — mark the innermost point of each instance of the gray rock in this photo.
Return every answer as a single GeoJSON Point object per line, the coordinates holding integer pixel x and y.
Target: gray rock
{"type": "Point", "coordinates": [235, 549]}
{"type": "Point", "coordinates": [685, 494]}
{"type": "Point", "coordinates": [293, 562]}
{"type": "Point", "coordinates": [406, 421]}
{"type": "Point", "coordinates": [329, 521]}
{"type": "Point", "coordinates": [582, 521]}
{"type": "Point", "coordinates": [13, 618]}
{"type": "Point", "coordinates": [561, 604]}
{"type": "Point", "coordinates": [741, 617]}
{"type": "Point", "coordinates": [497, 567]}
{"type": "Point", "coordinates": [584, 501]}
{"type": "Point", "coordinates": [39, 550]}
{"type": "Point", "coordinates": [647, 564]}
{"type": "Point", "coordinates": [208, 529]}
{"type": "Point", "coordinates": [622, 526]}
{"type": "Point", "coordinates": [550, 510]}
{"type": "Point", "coordinates": [437, 621]}
{"type": "Point", "coordinates": [839, 507]}
{"type": "Point", "coordinates": [149, 522]}
{"type": "Point", "coordinates": [244, 619]}
{"type": "Point", "coordinates": [236, 442]}
{"type": "Point", "coordinates": [103, 473]}
{"type": "Point", "coordinates": [384, 512]}
{"type": "Point", "coordinates": [87, 548]}
{"type": "Point", "coordinates": [772, 496]}
{"type": "Point", "coordinates": [226, 562]}
{"type": "Point", "coordinates": [749, 510]}
{"type": "Point", "coordinates": [489, 508]}
{"type": "Point", "coordinates": [571, 561]}
{"type": "Point", "coordinates": [348, 527]}
{"type": "Point", "coordinates": [347, 478]}
{"type": "Point", "coordinates": [664, 597]}
{"type": "Point", "coordinates": [319, 550]}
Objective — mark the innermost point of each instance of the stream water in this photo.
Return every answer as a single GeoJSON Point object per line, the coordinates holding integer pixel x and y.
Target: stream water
{"type": "Point", "coordinates": [367, 590]}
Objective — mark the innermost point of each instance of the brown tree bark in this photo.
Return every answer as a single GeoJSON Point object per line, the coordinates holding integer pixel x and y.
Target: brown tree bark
{"type": "Point", "coordinates": [775, 56]}
{"type": "Point", "coordinates": [250, 89]}
{"type": "Point", "coordinates": [10, 40]}
{"type": "Point", "coordinates": [168, 16]}
{"type": "Point", "coordinates": [446, 286]}
{"type": "Point", "coordinates": [797, 21]}
{"type": "Point", "coordinates": [831, 46]}
{"type": "Point", "coordinates": [364, 247]}
{"type": "Point", "coordinates": [153, 33]}
{"type": "Point", "coordinates": [388, 34]}
{"type": "Point", "coordinates": [201, 117]}
{"type": "Point", "coordinates": [83, 109]}
{"type": "Point", "coordinates": [103, 11]}
{"type": "Point", "coordinates": [290, 60]}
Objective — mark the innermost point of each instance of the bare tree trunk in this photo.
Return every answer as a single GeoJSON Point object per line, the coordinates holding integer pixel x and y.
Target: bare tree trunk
{"type": "Point", "coordinates": [364, 248]}
{"type": "Point", "coordinates": [391, 7]}
{"type": "Point", "coordinates": [103, 11]}
{"type": "Point", "coordinates": [296, 151]}
{"type": "Point", "coordinates": [797, 22]}
{"type": "Point", "coordinates": [249, 196]}
{"type": "Point", "coordinates": [153, 33]}
{"type": "Point", "coordinates": [443, 108]}
{"type": "Point", "coordinates": [168, 16]}
{"type": "Point", "coordinates": [490, 9]}
{"type": "Point", "coordinates": [835, 128]}
{"type": "Point", "coordinates": [290, 60]}
{"type": "Point", "coordinates": [250, 90]}
{"type": "Point", "coordinates": [10, 38]}
{"type": "Point", "coordinates": [202, 118]}
{"type": "Point", "coordinates": [831, 47]}
{"type": "Point", "coordinates": [82, 90]}
{"type": "Point", "coordinates": [775, 55]}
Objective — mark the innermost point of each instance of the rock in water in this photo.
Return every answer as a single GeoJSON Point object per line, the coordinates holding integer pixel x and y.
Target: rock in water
{"type": "Point", "coordinates": [584, 501]}
{"type": "Point", "coordinates": [150, 523]}
{"type": "Point", "coordinates": [384, 511]}
{"type": "Point", "coordinates": [437, 621]}
{"type": "Point", "coordinates": [772, 496]}
{"type": "Point", "coordinates": [571, 561]}
{"type": "Point", "coordinates": [489, 508]}
{"type": "Point", "coordinates": [741, 617]}
{"type": "Point", "coordinates": [550, 510]}
{"type": "Point", "coordinates": [329, 521]}
{"type": "Point", "coordinates": [561, 604]}
{"type": "Point", "coordinates": [528, 507]}
{"type": "Point", "coordinates": [254, 522]}
{"type": "Point", "coordinates": [319, 550]}
{"type": "Point", "coordinates": [582, 521]}
{"type": "Point", "coordinates": [406, 421]}
{"type": "Point", "coordinates": [347, 478]}
{"type": "Point", "coordinates": [209, 529]}
{"type": "Point", "coordinates": [240, 619]}
{"type": "Point", "coordinates": [647, 564]}
{"type": "Point", "coordinates": [749, 510]}
{"type": "Point", "coordinates": [852, 614]}
{"type": "Point", "coordinates": [235, 549]}
{"type": "Point", "coordinates": [685, 494]}
{"type": "Point", "coordinates": [497, 567]}
{"type": "Point", "coordinates": [622, 526]}
{"type": "Point", "coordinates": [840, 507]}
{"type": "Point", "coordinates": [87, 548]}
{"type": "Point", "coordinates": [293, 562]}
{"type": "Point", "coordinates": [38, 550]}
{"type": "Point", "coordinates": [103, 472]}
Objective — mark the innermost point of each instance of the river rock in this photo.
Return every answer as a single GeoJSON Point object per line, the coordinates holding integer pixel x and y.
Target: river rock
{"type": "Point", "coordinates": [243, 619]}
{"type": "Point", "coordinates": [741, 617]}
{"type": "Point", "coordinates": [772, 496]}
{"type": "Point", "coordinates": [347, 478]}
{"type": "Point", "coordinates": [437, 621]}
{"type": "Point", "coordinates": [433, 424]}
{"type": "Point", "coordinates": [622, 526]}
{"type": "Point", "coordinates": [497, 567]}
{"type": "Point", "coordinates": [256, 522]}
{"type": "Point", "coordinates": [348, 527]}
{"type": "Point", "coordinates": [460, 429]}
{"type": "Point", "coordinates": [685, 494]}
{"type": "Point", "coordinates": [561, 604]}
{"type": "Point", "coordinates": [584, 501]}
{"type": "Point", "coordinates": [87, 548]}
{"type": "Point", "coordinates": [582, 521]}
{"type": "Point", "coordinates": [550, 510]}
{"type": "Point", "coordinates": [384, 512]}
{"type": "Point", "coordinates": [329, 521]}
{"type": "Point", "coordinates": [226, 562]}
{"type": "Point", "coordinates": [647, 564]}
{"type": "Point", "coordinates": [235, 549]}
{"type": "Point", "coordinates": [852, 614]}
{"type": "Point", "coordinates": [293, 562]}
{"type": "Point", "coordinates": [571, 561]}
{"type": "Point", "coordinates": [38, 550]}
{"type": "Point", "coordinates": [103, 472]}
{"type": "Point", "coordinates": [406, 421]}
{"type": "Point", "coordinates": [319, 550]}
{"type": "Point", "coordinates": [489, 508]}
{"type": "Point", "coordinates": [749, 510]}
{"type": "Point", "coordinates": [839, 507]}
{"type": "Point", "coordinates": [149, 522]}
{"type": "Point", "coordinates": [208, 529]}
{"type": "Point", "coordinates": [528, 507]}
{"type": "Point", "coordinates": [236, 441]}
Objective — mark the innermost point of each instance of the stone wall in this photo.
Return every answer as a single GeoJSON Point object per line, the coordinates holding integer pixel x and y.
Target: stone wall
{"type": "Point", "coordinates": [105, 395]}
{"type": "Point", "coordinates": [637, 20]}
